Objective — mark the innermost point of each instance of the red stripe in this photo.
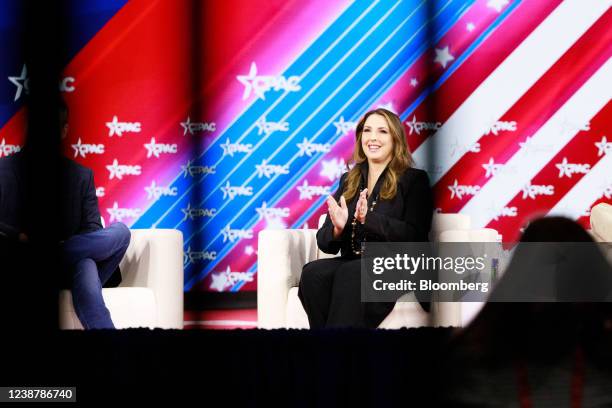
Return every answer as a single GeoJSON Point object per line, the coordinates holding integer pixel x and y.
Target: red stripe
{"type": "Point", "coordinates": [488, 56]}
{"type": "Point", "coordinates": [531, 111]}
{"type": "Point", "coordinates": [581, 149]}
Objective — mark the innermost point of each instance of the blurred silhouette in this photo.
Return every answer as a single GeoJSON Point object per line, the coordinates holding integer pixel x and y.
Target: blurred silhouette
{"type": "Point", "coordinates": [538, 353]}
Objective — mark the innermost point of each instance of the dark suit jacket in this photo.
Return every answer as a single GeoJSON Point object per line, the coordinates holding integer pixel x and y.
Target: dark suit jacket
{"type": "Point", "coordinates": [79, 213]}
{"type": "Point", "coordinates": [405, 218]}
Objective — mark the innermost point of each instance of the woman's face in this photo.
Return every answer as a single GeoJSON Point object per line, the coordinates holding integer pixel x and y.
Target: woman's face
{"type": "Point", "coordinates": [376, 139]}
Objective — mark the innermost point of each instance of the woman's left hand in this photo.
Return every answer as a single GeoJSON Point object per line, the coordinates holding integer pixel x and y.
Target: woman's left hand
{"type": "Point", "coordinates": [361, 209]}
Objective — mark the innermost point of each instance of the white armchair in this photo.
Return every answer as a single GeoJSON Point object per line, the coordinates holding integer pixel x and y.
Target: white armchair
{"type": "Point", "coordinates": [151, 292]}
{"type": "Point", "coordinates": [283, 253]}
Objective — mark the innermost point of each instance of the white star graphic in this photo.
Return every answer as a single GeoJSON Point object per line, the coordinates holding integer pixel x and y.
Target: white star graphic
{"type": "Point", "coordinates": [187, 212]}
{"type": "Point", "coordinates": [247, 81]}
{"type": "Point", "coordinates": [470, 26]}
{"type": "Point", "coordinates": [21, 82]}
{"type": "Point", "coordinates": [114, 127]}
{"type": "Point", "coordinates": [603, 147]}
{"type": "Point", "coordinates": [151, 148]}
{"type": "Point", "coordinates": [226, 148]}
{"type": "Point", "coordinates": [491, 167]}
{"type": "Point", "coordinates": [304, 190]}
{"type": "Point", "coordinates": [77, 148]}
{"type": "Point", "coordinates": [563, 168]}
{"type": "Point", "coordinates": [220, 280]}
{"type": "Point", "coordinates": [454, 190]}
{"type": "Point", "coordinates": [497, 5]}
{"type": "Point", "coordinates": [151, 190]}
{"type": "Point", "coordinates": [333, 169]}
{"type": "Point", "coordinates": [414, 82]}
{"type": "Point", "coordinates": [114, 213]}
{"type": "Point", "coordinates": [113, 169]}
{"type": "Point", "coordinates": [303, 146]}
{"type": "Point", "coordinates": [443, 56]}
{"type": "Point", "coordinates": [185, 125]}
{"type": "Point", "coordinates": [343, 127]}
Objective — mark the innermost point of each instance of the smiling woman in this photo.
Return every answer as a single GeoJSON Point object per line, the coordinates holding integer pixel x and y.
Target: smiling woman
{"type": "Point", "coordinates": [382, 198]}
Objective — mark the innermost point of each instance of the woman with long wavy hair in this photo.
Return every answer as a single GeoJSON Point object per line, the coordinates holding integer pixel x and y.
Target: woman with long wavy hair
{"type": "Point", "coordinates": [382, 198]}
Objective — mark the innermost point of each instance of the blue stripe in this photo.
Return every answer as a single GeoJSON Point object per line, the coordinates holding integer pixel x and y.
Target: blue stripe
{"type": "Point", "coordinates": [245, 120]}
{"type": "Point", "coordinates": [359, 102]}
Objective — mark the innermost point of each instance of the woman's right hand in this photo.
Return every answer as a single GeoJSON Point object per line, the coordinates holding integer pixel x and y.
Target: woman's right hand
{"type": "Point", "coordinates": [338, 214]}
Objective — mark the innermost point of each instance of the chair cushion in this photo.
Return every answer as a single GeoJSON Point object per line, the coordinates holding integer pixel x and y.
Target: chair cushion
{"type": "Point", "coordinates": [129, 307]}
{"type": "Point", "coordinates": [601, 222]}
{"type": "Point", "coordinates": [296, 315]}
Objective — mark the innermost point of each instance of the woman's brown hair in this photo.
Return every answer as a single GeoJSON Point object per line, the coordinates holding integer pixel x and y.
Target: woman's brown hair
{"type": "Point", "coordinates": [401, 160]}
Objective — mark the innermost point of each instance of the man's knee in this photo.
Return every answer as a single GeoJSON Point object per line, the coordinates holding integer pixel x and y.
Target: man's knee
{"type": "Point", "coordinates": [122, 233]}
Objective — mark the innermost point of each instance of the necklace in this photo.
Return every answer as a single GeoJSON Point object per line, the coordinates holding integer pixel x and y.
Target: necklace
{"type": "Point", "coordinates": [354, 243]}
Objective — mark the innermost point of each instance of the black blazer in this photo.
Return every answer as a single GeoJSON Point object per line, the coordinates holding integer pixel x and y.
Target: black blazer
{"type": "Point", "coordinates": [79, 213]}
{"type": "Point", "coordinates": [405, 218]}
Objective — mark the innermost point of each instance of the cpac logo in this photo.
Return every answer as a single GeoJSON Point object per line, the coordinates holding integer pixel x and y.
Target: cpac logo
{"type": "Point", "coordinates": [307, 148]}
{"type": "Point", "coordinates": [22, 82]}
{"type": "Point", "coordinates": [268, 212]}
{"type": "Point", "coordinates": [333, 169]}
{"type": "Point", "coordinates": [233, 191]}
{"type": "Point", "coordinates": [193, 213]}
{"type": "Point", "coordinates": [120, 170]}
{"type": "Point", "coordinates": [459, 190]}
{"type": "Point", "coordinates": [231, 148]}
{"type": "Point", "coordinates": [457, 148]}
{"type": "Point", "coordinates": [118, 214]}
{"type": "Point", "coordinates": [607, 192]}
{"type": "Point", "coordinates": [117, 128]}
{"type": "Point", "coordinates": [227, 278]}
{"type": "Point", "coordinates": [195, 256]}
{"type": "Point", "coordinates": [195, 127]}
{"type": "Point", "coordinates": [534, 190]}
{"type": "Point", "coordinates": [267, 170]}
{"type": "Point", "coordinates": [569, 169]}
{"type": "Point", "coordinates": [197, 170]}
{"type": "Point", "coordinates": [603, 147]}
{"type": "Point", "coordinates": [155, 191]}
{"type": "Point", "coordinates": [501, 126]}
{"type": "Point", "coordinates": [270, 127]}
{"type": "Point", "coordinates": [8, 149]}
{"type": "Point", "coordinates": [343, 127]}
{"type": "Point", "coordinates": [417, 127]}
{"type": "Point", "coordinates": [155, 149]}
{"type": "Point", "coordinates": [260, 84]}
{"type": "Point", "coordinates": [81, 149]}
{"type": "Point", "coordinates": [67, 85]}
{"type": "Point", "coordinates": [232, 235]}
{"type": "Point", "coordinates": [505, 212]}
{"type": "Point", "coordinates": [100, 192]}
{"type": "Point", "coordinates": [492, 168]}
{"type": "Point", "coordinates": [306, 191]}
{"type": "Point", "coordinates": [529, 146]}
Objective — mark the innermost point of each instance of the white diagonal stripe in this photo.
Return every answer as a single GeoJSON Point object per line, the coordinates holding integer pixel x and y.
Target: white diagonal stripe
{"type": "Point", "coordinates": [510, 80]}
{"type": "Point", "coordinates": [524, 165]}
{"type": "Point", "coordinates": [586, 191]}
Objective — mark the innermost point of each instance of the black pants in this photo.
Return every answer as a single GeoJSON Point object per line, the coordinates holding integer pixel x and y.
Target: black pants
{"type": "Point", "coordinates": [330, 291]}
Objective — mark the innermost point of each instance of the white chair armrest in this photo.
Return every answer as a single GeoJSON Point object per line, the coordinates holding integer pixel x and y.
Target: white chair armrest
{"type": "Point", "coordinates": [154, 259]}
{"type": "Point", "coordinates": [281, 254]}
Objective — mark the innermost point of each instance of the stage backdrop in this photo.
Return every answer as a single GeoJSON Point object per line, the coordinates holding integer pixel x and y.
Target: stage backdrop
{"type": "Point", "coordinates": [223, 118]}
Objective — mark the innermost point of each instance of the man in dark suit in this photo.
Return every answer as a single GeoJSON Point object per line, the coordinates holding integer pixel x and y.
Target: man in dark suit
{"type": "Point", "coordinates": [90, 254]}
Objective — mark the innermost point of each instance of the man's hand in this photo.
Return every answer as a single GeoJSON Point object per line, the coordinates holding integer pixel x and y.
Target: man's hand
{"type": "Point", "coordinates": [338, 214]}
